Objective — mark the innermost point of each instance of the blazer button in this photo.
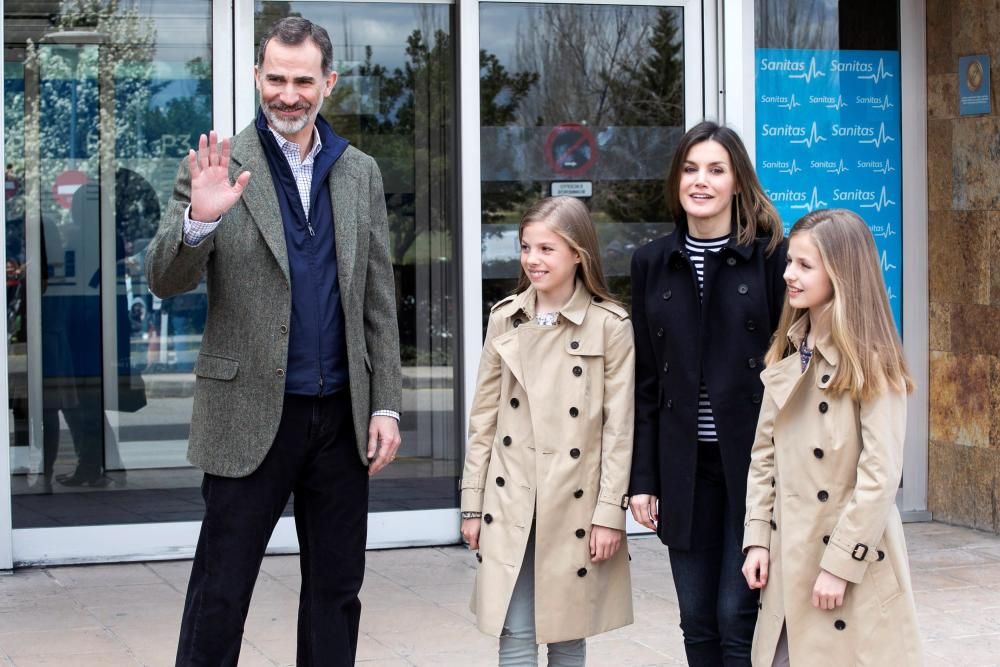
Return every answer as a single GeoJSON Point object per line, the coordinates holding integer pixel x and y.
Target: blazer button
{"type": "Point", "coordinates": [582, 572]}
{"type": "Point", "coordinates": [666, 366]}
{"type": "Point", "coordinates": [751, 362]}
{"type": "Point", "coordinates": [818, 453]}
{"type": "Point", "coordinates": [575, 344]}
{"type": "Point", "coordinates": [507, 441]}
{"type": "Point", "coordinates": [823, 496]}
{"type": "Point", "coordinates": [487, 518]}
{"type": "Point", "coordinates": [659, 332]}
{"type": "Point", "coordinates": [280, 372]}
{"type": "Point", "coordinates": [774, 526]}
{"type": "Point", "coordinates": [514, 402]}
{"type": "Point", "coordinates": [580, 532]}
{"type": "Point", "coordinates": [578, 493]}
{"type": "Point", "coordinates": [742, 289]}
{"type": "Point", "coordinates": [577, 371]}
{"type": "Point", "coordinates": [479, 557]}
{"type": "Point", "coordinates": [283, 329]}
{"type": "Point", "coordinates": [667, 295]}
{"type": "Point", "coordinates": [751, 325]}
{"type": "Point", "coordinates": [731, 261]}
{"type": "Point", "coordinates": [826, 539]}
{"type": "Point", "coordinates": [825, 379]}
{"type": "Point", "coordinates": [575, 453]}
{"type": "Point", "coordinates": [823, 407]}
{"type": "Point", "coordinates": [501, 481]}
{"type": "Point", "coordinates": [573, 412]}
{"type": "Point", "coordinates": [839, 624]}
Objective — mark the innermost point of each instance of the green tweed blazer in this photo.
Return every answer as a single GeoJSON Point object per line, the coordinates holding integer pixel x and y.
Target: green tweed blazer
{"type": "Point", "coordinates": [240, 371]}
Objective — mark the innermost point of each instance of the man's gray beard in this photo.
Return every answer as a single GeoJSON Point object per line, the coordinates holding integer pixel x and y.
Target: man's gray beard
{"type": "Point", "coordinates": [288, 127]}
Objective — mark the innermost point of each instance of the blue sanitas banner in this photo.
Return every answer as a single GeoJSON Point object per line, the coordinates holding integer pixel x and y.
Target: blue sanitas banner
{"type": "Point", "coordinates": [828, 136]}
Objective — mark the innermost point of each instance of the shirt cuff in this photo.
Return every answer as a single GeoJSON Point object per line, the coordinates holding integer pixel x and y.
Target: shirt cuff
{"type": "Point", "coordinates": [194, 231]}
{"type": "Point", "coordinates": [386, 413]}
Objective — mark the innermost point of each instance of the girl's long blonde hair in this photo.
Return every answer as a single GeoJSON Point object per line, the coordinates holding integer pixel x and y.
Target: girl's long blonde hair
{"type": "Point", "coordinates": [570, 219]}
{"type": "Point", "coordinates": [862, 326]}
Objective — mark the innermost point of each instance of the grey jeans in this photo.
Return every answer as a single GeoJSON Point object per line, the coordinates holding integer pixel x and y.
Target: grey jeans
{"type": "Point", "coordinates": [518, 647]}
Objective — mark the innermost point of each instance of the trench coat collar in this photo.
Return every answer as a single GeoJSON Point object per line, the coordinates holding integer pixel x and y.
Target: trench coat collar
{"type": "Point", "coordinates": [782, 378]}
{"type": "Point", "coordinates": [574, 310]}
{"type": "Point", "coordinates": [824, 338]}
{"type": "Point", "coordinates": [675, 244]}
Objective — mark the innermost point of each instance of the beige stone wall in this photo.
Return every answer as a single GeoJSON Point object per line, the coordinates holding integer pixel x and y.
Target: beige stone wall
{"type": "Point", "coordinates": [963, 188]}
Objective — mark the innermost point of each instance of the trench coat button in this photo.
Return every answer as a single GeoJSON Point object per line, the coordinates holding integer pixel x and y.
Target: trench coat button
{"type": "Point", "coordinates": [573, 412]}
{"type": "Point", "coordinates": [751, 325]}
{"type": "Point", "coordinates": [818, 453]}
{"type": "Point", "coordinates": [742, 289]}
{"type": "Point", "coordinates": [580, 532]}
{"type": "Point", "coordinates": [487, 518]}
{"type": "Point", "coordinates": [731, 261]}
{"type": "Point", "coordinates": [575, 344]}
{"type": "Point", "coordinates": [823, 496]}
{"type": "Point", "coordinates": [517, 323]}
{"type": "Point", "coordinates": [774, 526]}
{"type": "Point", "coordinates": [667, 295]}
{"type": "Point", "coordinates": [751, 362]}
{"type": "Point", "coordinates": [578, 493]}
{"type": "Point", "coordinates": [598, 299]}
{"type": "Point", "coordinates": [666, 366]}
{"type": "Point", "coordinates": [881, 554]}
{"type": "Point", "coordinates": [823, 406]}
{"type": "Point", "coordinates": [659, 332]}
{"type": "Point", "coordinates": [772, 482]}
{"type": "Point", "coordinates": [283, 329]}
{"type": "Point", "coordinates": [575, 453]}
{"type": "Point", "coordinates": [825, 379]}
{"type": "Point", "coordinates": [826, 539]}
{"type": "Point", "coordinates": [479, 557]}
{"type": "Point", "coordinates": [577, 371]}
{"type": "Point", "coordinates": [280, 372]}
{"type": "Point", "coordinates": [582, 572]}
{"type": "Point", "coordinates": [755, 399]}
{"type": "Point", "coordinates": [839, 624]}
{"type": "Point", "coordinates": [514, 402]}
{"type": "Point", "coordinates": [507, 441]}
{"type": "Point", "coordinates": [760, 605]}
{"type": "Point", "coordinates": [501, 481]}
{"type": "Point", "coordinates": [670, 404]}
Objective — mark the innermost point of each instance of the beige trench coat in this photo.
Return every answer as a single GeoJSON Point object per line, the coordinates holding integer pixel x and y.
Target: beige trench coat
{"type": "Point", "coordinates": [551, 427]}
{"type": "Point", "coordinates": [821, 494]}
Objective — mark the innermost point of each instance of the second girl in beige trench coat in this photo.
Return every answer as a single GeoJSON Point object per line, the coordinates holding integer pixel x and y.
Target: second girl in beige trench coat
{"type": "Point", "coordinates": [568, 471]}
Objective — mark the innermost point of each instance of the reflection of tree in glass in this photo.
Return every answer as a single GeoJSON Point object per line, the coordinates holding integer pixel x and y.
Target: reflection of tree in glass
{"type": "Point", "coordinates": [796, 24]}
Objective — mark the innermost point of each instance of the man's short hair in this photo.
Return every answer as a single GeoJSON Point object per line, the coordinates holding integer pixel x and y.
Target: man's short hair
{"type": "Point", "coordinates": [294, 30]}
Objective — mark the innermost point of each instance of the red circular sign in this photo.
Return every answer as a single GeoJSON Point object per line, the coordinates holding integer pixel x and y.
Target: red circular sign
{"type": "Point", "coordinates": [570, 149]}
{"type": "Point", "coordinates": [67, 183]}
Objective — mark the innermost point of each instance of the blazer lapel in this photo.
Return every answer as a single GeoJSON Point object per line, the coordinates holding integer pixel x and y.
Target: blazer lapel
{"type": "Point", "coordinates": [344, 193]}
{"type": "Point", "coordinates": [259, 196]}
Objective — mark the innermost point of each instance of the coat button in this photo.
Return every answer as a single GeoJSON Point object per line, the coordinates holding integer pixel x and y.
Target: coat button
{"type": "Point", "coordinates": [773, 483]}
{"type": "Point", "coordinates": [501, 481]}
{"type": "Point", "coordinates": [818, 453]}
{"type": "Point", "coordinates": [751, 362]}
{"type": "Point", "coordinates": [598, 299]}
{"type": "Point", "coordinates": [659, 332]}
{"type": "Point", "coordinates": [573, 412]}
{"type": "Point", "coordinates": [731, 261]}
{"type": "Point", "coordinates": [283, 329]}
{"type": "Point", "coordinates": [881, 554]}
{"type": "Point", "coordinates": [507, 441]}
{"type": "Point", "coordinates": [670, 404]}
{"type": "Point", "coordinates": [825, 379]}
{"type": "Point", "coordinates": [667, 295]}
{"type": "Point", "coordinates": [582, 572]}
{"type": "Point", "coordinates": [666, 366]}
{"type": "Point", "coordinates": [577, 371]}
{"type": "Point", "coordinates": [280, 372]}
{"type": "Point", "coordinates": [839, 624]}
{"type": "Point", "coordinates": [823, 496]}
{"type": "Point", "coordinates": [575, 344]}
{"type": "Point", "coordinates": [760, 605]}
{"type": "Point", "coordinates": [826, 539]}
{"type": "Point", "coordinates": [742, 289]}
{"type": "Point", "coordinates": [774, 526]}
{"type": "Point", "coordinates": [823, 407]}
{"type": "Point", "coordinates": [575, 453]}
{"type": "Point", "coordinates": [514, 402]}
{"type": "Point", "coordinates": [755, 399]}
{"type": "Point", "coordinates": [479, 557]}
{"type": "Point", "coordinates": [578, 493]}
{"type": "Point", "coordinates": [487, 518]}
{"type": "Point", "coordinates": [751, 325]}
{"type": "Point", "coordinates": [580, 532]}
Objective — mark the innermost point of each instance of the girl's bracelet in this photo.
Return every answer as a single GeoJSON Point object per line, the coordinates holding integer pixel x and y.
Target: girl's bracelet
{"type": "Point", "coordinates": [472, 515]}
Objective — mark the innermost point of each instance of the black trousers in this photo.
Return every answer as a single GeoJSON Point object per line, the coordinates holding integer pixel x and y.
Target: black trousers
{"type": "Point", "coordinates": [315, 457]}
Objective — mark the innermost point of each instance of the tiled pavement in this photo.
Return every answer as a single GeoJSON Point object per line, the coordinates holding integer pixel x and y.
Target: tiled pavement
{"type": "Point", "coordinates": [416, 609]}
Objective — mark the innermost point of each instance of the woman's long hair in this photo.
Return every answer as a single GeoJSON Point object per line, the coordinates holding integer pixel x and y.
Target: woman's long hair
{"type": "Point", "coordinates": [570, 219]}
{"type": "Point", "coordinates": [753, 213]}
{"type": "Point", "coordinates": [861, 323]}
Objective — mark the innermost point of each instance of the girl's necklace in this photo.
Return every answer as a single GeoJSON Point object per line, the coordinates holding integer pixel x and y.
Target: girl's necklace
{"type": "Point", "coordinates": [805, 354]}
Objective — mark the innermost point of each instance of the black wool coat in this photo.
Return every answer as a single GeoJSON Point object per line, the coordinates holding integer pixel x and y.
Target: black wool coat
{"type": "Point", "coordinates": [677, 339]}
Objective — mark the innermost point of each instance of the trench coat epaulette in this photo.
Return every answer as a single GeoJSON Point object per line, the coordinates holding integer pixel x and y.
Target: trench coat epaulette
{"type": "Point", "coordinates": [612, 308]}
{"type": "Point", "coordinates": [502, 302]}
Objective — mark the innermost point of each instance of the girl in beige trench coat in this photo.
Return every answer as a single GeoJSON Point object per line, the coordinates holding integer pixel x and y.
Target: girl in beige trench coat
{"type": "Point", "coordinates": [823, 537]}
{"type": "Point", "coordinates": [550, 448]}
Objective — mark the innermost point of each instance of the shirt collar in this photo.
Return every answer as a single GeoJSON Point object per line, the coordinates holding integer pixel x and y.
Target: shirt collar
{"type": "Point", "coordinates": [289, 147]}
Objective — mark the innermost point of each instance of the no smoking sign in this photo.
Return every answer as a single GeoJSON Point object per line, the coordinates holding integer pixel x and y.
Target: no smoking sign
{"type": "Point", "coordinates": [570, 149]}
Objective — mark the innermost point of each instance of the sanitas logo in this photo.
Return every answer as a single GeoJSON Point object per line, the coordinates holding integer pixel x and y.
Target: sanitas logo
{"type": "Point", "coordinates": [783, 196]}
{"type": "Point", "coordinates": [774, 164]}
{"type": "Point", "coordinates": [853, 131]}
{"type": "Point", "coordinates": [782, 65]}
{"type": "Point", "coordinates": [838, 66]}
{"type": "Point", "coordinates": [853, 195]}
{"type": "Point", "coordinates": [782, 131]}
